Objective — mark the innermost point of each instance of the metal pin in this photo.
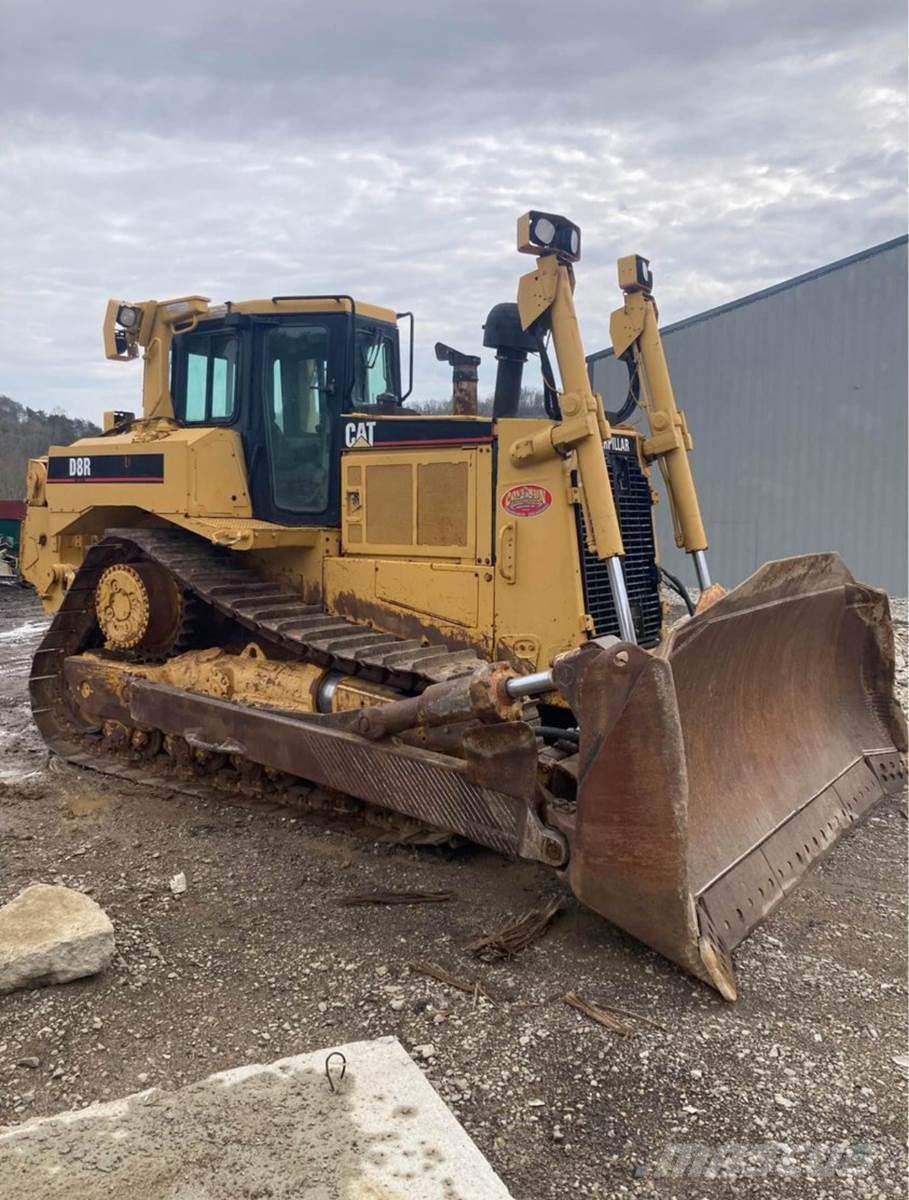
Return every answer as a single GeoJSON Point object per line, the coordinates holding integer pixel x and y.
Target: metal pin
{"type": "Point", "coordinates": [335, 1054]}
{"type": "Point", "coordinates": [529, 685]}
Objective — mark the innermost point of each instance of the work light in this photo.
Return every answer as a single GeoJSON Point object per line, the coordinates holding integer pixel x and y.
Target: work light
{"type": "Point", "coordinates": [127, 316]}
{"type": "Point", "coordinates": [635, 274]}
{"type": "Point", "coordinates": [548, 233]}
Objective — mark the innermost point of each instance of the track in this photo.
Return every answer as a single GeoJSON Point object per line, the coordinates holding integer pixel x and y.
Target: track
{"type": "Point", "coordinates": [218, 580]}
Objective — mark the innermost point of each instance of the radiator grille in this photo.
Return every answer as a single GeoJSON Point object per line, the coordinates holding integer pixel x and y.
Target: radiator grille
{"type": "Point", "coordinates": [632, 498]}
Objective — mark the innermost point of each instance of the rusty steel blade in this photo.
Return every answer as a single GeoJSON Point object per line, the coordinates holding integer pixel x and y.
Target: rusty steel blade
{"type": "Point", "coordinates": [714, 771]}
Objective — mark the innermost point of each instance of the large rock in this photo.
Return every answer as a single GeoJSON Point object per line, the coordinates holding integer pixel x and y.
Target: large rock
{"type": "Point", "coordinates": [52, 934]}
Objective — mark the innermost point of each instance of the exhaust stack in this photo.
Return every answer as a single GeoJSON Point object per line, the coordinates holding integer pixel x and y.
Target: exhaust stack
{"type": "Point", "coordinates": [463, 379]}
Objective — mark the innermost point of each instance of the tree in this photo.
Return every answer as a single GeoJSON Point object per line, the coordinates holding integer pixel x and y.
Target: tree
{"type": "Point", "coordinates": [26, 433]}
{"type": "Point", "coordinates": [531, 405]}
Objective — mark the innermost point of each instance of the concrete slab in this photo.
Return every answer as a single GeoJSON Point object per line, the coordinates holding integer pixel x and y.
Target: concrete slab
{"type": "Point", "coordinates": [273, 1132]}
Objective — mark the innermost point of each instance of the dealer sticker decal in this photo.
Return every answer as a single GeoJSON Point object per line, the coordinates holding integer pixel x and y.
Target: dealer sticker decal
{"type": "Point", "coordinates": [526, 500]}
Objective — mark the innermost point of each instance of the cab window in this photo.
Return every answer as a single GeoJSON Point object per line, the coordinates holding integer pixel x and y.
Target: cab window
{"type": "Point", "coordinates": [206, 388]}
{"type": "Point", "coordinates": [374, 368]}
{"type": "Point", "coordinates": [298, 420]}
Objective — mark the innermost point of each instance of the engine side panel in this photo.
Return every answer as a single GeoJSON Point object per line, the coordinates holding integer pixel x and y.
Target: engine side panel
{"type": "Point", "coordinates": [191, 472]}
{"type": "Point", "coordinates": [416, 538]}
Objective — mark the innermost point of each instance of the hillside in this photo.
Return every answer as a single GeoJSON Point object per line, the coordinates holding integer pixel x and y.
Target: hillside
{"type": "Point", "coordinates": [26, 433]}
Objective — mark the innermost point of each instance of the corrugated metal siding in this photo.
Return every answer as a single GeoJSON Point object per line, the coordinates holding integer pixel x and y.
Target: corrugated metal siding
{"type": "Point", "coordinates": [797, 403]}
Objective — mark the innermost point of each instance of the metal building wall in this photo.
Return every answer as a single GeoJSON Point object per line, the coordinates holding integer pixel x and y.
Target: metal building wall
{"type": "Point", "coordinates": [797, 402]}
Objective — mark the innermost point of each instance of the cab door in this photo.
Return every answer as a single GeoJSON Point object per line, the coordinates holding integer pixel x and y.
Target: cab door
{"type": "Point", "coordinates": [293, 456]}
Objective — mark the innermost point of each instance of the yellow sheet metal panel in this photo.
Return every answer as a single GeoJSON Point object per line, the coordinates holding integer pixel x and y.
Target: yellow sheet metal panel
{"type": "Point", "coordinates": [217, 483]}
{"type": "Point", "coordinates": [539, 599]}
{"type": "Point", "coordinates": [168, 470]}
{"type": "Point", "coordinates": [448, 593]}
{"type": "Point", "coordinates": [410, 591]}
{"type": "Point", "coordinates": [103, 471]}
{"type": "Point", "coordinates": [420, 503]}
{"type": "Point", "coordinates": [47, 558]}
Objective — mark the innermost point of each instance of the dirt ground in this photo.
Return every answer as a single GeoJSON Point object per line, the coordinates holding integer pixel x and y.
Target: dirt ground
{"type": "Point", "coordinates": [792, 1091]}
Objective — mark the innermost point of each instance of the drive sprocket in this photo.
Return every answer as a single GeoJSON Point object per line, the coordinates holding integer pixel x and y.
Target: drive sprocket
{"type": "Point", "coordinates": [142, 609]}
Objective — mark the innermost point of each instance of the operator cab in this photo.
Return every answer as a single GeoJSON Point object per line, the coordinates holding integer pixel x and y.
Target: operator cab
{"type": "Point", "coordinates": [282, 372]}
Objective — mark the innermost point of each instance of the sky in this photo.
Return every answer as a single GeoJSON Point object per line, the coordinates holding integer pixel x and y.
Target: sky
{"type": "Point", "coordinates": [240, 150]}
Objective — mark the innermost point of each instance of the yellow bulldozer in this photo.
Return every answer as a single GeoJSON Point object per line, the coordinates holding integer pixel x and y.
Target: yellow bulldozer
{"type": "Point", "coordinates": [279, 579]}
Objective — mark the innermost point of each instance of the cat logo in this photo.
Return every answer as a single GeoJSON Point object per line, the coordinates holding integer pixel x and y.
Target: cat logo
{"type": "Point", "coordinates": [359, 433]}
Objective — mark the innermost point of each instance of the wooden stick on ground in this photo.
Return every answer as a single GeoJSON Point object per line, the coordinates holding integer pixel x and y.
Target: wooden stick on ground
{"type": "Point", "coordinates": [514, 936]}
{"type": "Point", "coordinates": [358, 898]}
{"type": "Point", "coordinates": [635, 1016]}
{"type": "Point", "coordinates": [602, 1016]}
{"type": "Point", "coordinates": [473, 987]}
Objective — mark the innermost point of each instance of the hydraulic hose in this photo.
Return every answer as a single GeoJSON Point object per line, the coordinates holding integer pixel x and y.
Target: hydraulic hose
{"type": "Point", "coordinates": [679, 588]}
{"type": "Point", "coordinates": [631, 398]}
{"type": "Point", "coordinates": [552, 733]}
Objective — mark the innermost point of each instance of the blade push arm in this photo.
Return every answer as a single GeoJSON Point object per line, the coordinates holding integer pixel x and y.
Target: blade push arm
{"type": "Point", "coordinates": [546, 303]}
{"type": "Point", "coordinates": [634, 328]}
{"type": "Point", "coordinates": [583, 427]}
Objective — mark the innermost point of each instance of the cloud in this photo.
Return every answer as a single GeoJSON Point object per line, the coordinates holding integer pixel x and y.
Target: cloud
{"type": "Point", "coordinates": [241, 150]}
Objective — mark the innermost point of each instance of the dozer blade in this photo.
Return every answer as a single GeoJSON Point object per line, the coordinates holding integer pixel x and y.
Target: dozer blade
{"type": "Point", "coordinates": [714, 771]}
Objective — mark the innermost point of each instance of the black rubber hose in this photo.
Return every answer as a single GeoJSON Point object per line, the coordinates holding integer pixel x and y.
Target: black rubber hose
{"type": "Point", "coordinates": [550, 393]}
{"type": "Point", "coordinates": [552, 733]}
{"type": "Point", "coordinates": [679, 588]}
{"type": "Point", "coordinates": [631, 398]}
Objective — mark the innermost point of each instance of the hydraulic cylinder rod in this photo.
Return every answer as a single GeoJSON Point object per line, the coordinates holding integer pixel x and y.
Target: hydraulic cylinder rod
{"type": "Point", "coordinates": [529, 685]}
{"type": "Point", "coordinates": [578, 394]}
{"type": "Point", "coordinates": [700, 566]}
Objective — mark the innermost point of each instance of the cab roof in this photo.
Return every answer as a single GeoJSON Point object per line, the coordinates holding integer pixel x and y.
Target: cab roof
{"type": "Point", "coordinates": [304, 304]}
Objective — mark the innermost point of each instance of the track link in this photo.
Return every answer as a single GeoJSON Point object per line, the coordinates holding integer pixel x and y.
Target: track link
{"type": "Point", "coordinates": [277, 617]}
{"type": "Point", "coordinates": [274, 617]}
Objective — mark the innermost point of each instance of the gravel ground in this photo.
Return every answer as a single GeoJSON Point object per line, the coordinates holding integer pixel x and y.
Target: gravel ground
{"type": "Point", "coordinates": [792, 1091]}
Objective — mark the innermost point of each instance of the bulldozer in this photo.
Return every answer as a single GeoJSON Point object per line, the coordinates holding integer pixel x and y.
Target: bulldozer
{"type": "Point", "coordinates": [281, 580]}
